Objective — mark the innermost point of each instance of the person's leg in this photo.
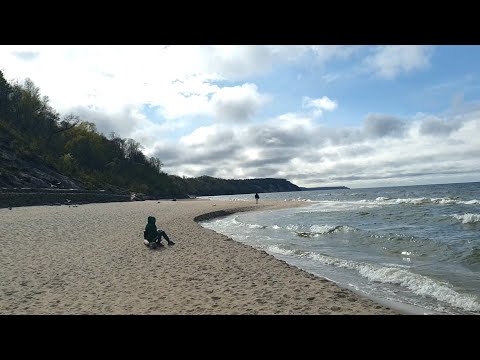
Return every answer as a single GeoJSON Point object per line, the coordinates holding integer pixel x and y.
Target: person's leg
{"type": "Point", "coordinates": [164, 234]}
{"type": "Point", "coordinates": [158, 239]}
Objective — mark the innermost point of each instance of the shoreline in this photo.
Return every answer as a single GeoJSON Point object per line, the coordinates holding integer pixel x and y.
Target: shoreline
{"type": "Point", "coordinates": [91, 260]}
{"type": "Point", "coordinates": [399, 307]}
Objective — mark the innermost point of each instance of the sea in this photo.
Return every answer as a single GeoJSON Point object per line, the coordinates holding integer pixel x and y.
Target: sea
{"type": "Point", "coordinates": [413, 248]}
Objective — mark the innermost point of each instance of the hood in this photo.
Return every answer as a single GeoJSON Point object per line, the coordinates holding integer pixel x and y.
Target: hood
{"type": "Point", "coordinates": [151, 220]}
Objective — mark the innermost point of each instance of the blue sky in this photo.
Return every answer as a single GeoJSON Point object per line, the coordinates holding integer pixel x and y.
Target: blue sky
{"type": "Point", "coordinates": [359, 116]}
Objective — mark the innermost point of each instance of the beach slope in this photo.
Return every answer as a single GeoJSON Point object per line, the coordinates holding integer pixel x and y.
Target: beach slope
{"type": "Point", "coordinates": [91, 259]}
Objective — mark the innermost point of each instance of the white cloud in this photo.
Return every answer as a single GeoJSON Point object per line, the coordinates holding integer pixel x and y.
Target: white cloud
{"type": "Point", "coordinates": [110, 77]}
{"type": "Point", "coordinates": [318, 105]}
{"type": "Point", "coordinates": [104, 82]}
{"type": "Point", "coordinates": [238, 62]}
{"type": "Point", "coordinates": [238, 103]}
{"type": "Point", "coordinates": [200, 136]}
{"type": "Point", "coordinates": [291, 121]}
{"type": "Point", "coordinates": [178, 80]}
{"type": "Point", "coordinates": [326, 53]}
{"type": "Point", "coordinates": [387, 151]}
{"type": "Point", "coordinates": [392, 60]}
{"type": "Point", "coordinates": [121, 122]}
{"type": "Point", "coordinates": [110, 86]}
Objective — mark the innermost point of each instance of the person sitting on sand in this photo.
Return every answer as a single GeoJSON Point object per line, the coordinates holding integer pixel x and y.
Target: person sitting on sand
{"type": "Point", "coordinates": [154, 235]}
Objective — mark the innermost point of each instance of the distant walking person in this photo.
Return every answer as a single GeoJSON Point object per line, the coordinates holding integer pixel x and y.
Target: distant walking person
{"type": "Point", "coordinates": [154, 236]}
{"type": "Point", "coordinates": [256, 197]}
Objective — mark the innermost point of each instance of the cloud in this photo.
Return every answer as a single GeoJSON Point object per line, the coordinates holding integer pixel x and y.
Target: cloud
{"type": "Point", "coordinates": [124, 122]}
{"type": "Point", "coordinates": [238, 103]}
{"type": "Point", "coordinates": [292, 121]}
{"type": "Point", "coordinates": [325, 53]}
{"type": "Point", "coordinates": [386, 151]}
{"type": "Point", "coordinates": [26, 55]}
{"type": "Point", "coordinates": [240, 62]}
{"type": "Point", "coordinates": [204, 135]}
{"type": "Point", "coordinates": [199, 110]}
{"type": "Point", "coordinates": [270, 136]}
{"type": "Point", "coordinates": [328, 78]}
{"type": "Point", "coordinates": [378, 125]}
{"type": "Point", "coordinates": [318, 105]}
{"type": "Point", "coordinates": [390, 61]}
{"type": "Point", "coordinates": [438, 127]}
{"type": "Point", "coordinates": [178, 80]}
{"type": "Point", "coordinates": [110, 77]}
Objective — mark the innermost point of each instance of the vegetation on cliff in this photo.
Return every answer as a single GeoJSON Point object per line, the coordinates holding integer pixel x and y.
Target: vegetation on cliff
{"type": "Point", "coordinates": [41, 149]}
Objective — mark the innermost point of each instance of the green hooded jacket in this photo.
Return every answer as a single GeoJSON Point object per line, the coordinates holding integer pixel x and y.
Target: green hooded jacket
{"type": "Point", "coordinates": [151, 229]}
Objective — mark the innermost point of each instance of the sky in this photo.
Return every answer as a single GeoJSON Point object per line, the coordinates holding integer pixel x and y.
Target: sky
{"type": "Point", "coordinates": [322, 115]}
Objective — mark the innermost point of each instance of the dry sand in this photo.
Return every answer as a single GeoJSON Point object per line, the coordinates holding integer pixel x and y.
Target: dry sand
{"type": "Point", "coordinates": [91, 259]}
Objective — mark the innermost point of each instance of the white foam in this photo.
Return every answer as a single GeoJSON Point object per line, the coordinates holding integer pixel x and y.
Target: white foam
{"type": "Point", "coordinates": [278, 250]}
{"type": "Point", "coordinates": [229, 222]}
{"type": "Point", "coordinates": [302, 199]}
{"type": "Point", "coordinates": [233, 220]}
{"type": "Point", "coordinates": [419, 284]}
{"type": "Point", "coordinates": [322, 229]}
{"type": "Point", "coordinates": [331, 205]}
{"type": "Point", "coordinates": [471, 202]}
{"type": "Point", "coordinates": [414, 201]}
{"type": "Point", "coordinates": [292, 227]}
{"type": "Point", "coordinates": [423, 200]}
{"type": "Point", "coordinates": [400, 266]}
{"type": "Point", "coordinates": [441, 201]}
{"type": "Point", "coordinates": [325, 229]}
{"type": "Point", "coordinates": [467, 218]}
{"type": "Point", "coordinates": [445, 201]}
{"type": "Point", "coordinates": [255, 226]}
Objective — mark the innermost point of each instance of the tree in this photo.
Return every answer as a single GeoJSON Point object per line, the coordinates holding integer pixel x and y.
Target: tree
{"type": "Point", "coordinates": [5, 103]}
{"type": "Point", "coordinates": [156, 164]}
{"type": "Point", "coordinates": [67, 164]}
{"type": "Point", "coordinates": [68, 122]}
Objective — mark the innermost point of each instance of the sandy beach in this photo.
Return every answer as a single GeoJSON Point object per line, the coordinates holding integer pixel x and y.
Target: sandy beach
{"type": "Point", "coordinates": [91, 259]}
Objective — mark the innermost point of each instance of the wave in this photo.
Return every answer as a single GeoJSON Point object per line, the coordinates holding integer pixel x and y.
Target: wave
{"type": "Point", "coordinates": [235, 222]}
{"type": "Point", "coordinates": [467, 218]}
{"type": "Point", "coordinates": [341, 205]}
{"type": "Point", "coordinates": [392, 274]}
{"type": "Point", "coordinates": [473, 258]}
{"type": "Point", "coordinates": [299, 199]}
{"type": "Point", "coordinates": [423, 200]}
{"type": "Point", "coordinates": [282, 251]}
{"type": "Point", "coordinates": [316, 230]}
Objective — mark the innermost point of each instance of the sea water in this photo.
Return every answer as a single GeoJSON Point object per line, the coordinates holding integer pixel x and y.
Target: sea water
{"type": "Point", "coordinates": [414, 246]}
